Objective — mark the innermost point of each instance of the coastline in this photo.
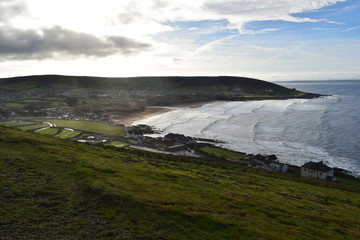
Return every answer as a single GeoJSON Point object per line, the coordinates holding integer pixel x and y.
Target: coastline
{"type": "Point", "coordinates": [155, 110]}
{"type": "Point", "coordinates": [150, 111]}
{"type": "Point", "coordinates": [238, 136]}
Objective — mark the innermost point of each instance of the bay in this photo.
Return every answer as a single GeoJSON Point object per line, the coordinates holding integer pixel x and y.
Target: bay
{"type": "Point", "coordinates": [295, 130]}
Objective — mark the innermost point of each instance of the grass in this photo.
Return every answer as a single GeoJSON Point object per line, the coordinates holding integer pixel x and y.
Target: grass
{"type": "Point", "coordinates": [71, 134]}
{"type": "Point", "coordinates": [32, 101]}
{"type": "Point", "coordinates": [348, 181]}
{"type": "Point", "coordinates": [33, 127]}
{"type": "Point", "coordinates": [14, 105]}
{"type": "Point", "coordinates": [223, 153]}
{"type": "Point", "coordinates": [14, 124]}
{"type": "Point", "coordinates": [58, 104]}
{"type": "Point", "coordinates": [55, 189]}
{"type": "Point", "coordinates": [49, 101]}
{"type": "Point", "coordinates": [118, 144]}
{"type": "Point", "coordinates": [48, 131]}
{"type": "Point", "coordinates": [270, 96]}
{"type": "Point", "coordinates": [18, 86]}
{"type": "Point", "coordinates": [88, 126]}
{"type": "Point", "coordinates": [205, 85]}
{"type": "Point", "coordinates": [65, 133]}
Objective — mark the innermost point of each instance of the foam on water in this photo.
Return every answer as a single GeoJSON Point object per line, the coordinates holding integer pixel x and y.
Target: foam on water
{"type": "Point", "coordinates": [295, 129]}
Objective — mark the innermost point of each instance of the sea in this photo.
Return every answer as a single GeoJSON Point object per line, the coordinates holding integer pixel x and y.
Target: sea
{"type": "Point", "coordinates": [295, 130]}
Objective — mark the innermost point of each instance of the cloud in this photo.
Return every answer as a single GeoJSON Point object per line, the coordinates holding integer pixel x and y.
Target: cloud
{"type": "Point", "coordinates": [9, 9]}
{"type": "Point", "coordinates": [240, 12]}
{"type": "Point", "coordinates": [351, 29]}
{"type": "Point", "coordinates": [128, 46]}
{"type": "Point", "coordinates": [145, 18]}
{"type": "Point", "coordinates": [153, 16]}
{"type": "Point", "coordinates": [60, 42]}
{"type": "Point", "coordinates": [130, 14]}
{"type": "Point", "coordinates": [200, 36]}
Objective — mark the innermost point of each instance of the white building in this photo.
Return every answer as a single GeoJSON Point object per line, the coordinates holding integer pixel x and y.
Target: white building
{"type": "Point", "coordinates": [317, 170]}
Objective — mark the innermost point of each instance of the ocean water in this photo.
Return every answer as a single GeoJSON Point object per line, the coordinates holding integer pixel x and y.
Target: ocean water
{"type": "Point", "coordinates": [295, 130]}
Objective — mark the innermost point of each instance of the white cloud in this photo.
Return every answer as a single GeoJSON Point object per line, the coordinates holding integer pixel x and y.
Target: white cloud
{"type": "Point", "coordinates": [351, 29]}
{"type": "Point", "coordinates": [150, 16]}
{"type": "Point", "coordinates": [148, 22]}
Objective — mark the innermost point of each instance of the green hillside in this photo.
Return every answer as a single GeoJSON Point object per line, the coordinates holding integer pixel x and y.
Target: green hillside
{"type": "Point", "coordinates": [105, 99]}
{"type": "Point", "coordinates": [222, 84]}
{"type": "Point", "coordinates": [59, 189]}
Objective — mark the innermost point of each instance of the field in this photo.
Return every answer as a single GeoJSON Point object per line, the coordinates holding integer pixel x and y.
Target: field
{"type": "Point", "coordinates": [13, 124]}
{"type": "Point", "coordinates": [223, 153]}
{"type": "Point", "coordinates": [68, 134]}
{"type": "Point", "coordinates": [48, 131]}
{"type": "Point", "coordinates": [21, 86]}
{"type": "Point", "coordinates": [88, 126]}
{"type": "Point", "coordinates": [271, 96]}
{"type": "Point", "coordinates": [33, 127]}
{"type": "Point", "coordinates": [55, 189]}
{"type": "Point", "coordinates": [118, 144]}
{"type": "Point", "coordinates": [31, 101]}
{"type": "Point", "coordinates": [14, 105]}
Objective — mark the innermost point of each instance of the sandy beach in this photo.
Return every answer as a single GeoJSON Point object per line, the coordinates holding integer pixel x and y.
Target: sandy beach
{"type": "Point", "coordinates": [154, 110]}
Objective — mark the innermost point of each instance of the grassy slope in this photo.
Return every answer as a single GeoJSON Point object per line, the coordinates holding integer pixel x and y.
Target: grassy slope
{"type": "Point", "coordinates": [58, 189]}
{"type": "Point", "coordinates": [160, 84]}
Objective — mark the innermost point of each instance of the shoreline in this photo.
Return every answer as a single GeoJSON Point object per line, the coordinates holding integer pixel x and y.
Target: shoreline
{"type": "Point", "coordinates": [150, 111]}
{"type": "Point", "coordinates": [290, 156]}
{"type": "Point", "coordinates": [155, 110]}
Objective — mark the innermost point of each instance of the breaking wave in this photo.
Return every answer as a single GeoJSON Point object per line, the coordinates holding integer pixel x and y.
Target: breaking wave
{"type": "Point", "coordinates": [296, 130]}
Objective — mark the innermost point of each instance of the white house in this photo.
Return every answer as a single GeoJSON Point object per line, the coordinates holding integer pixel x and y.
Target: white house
{"type": "Point", "coordinates": [317, 170]}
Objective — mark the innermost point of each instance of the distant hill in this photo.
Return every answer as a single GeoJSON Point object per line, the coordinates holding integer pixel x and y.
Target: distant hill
{"type": "Point", "coordinates": [59, 189]}
{"type": "Point", "coordinates": [104, 99]}
{"type": "Point", "coordinates": [222, 84]}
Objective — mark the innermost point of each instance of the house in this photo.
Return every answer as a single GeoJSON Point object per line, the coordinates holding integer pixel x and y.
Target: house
{"type": "Point", "coordinates": [274, 166]}
{"type": "Point", "coordinates": [317, 170]}
{"type": "Point", "coordinates": [180, 138]}
{"type": "Point", "coordinates": [139, 130]}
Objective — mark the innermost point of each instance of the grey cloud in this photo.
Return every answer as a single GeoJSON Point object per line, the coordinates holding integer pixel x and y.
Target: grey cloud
{"type": "Point", "coordinates": [127, 45]}
{"type": "Point", "coordinates": [275, 9]}
{"type": "Point", "coordinates": [246, 6]}
{"type": "Point", "coordinates": [60, 42]}
{"type": "Point", "coordinates": [9, 9]}
{"type": "Point", "coordinates": [129, 17]}
{"type": "Point", "coordinates": [158, 4]}
{"type": "Point", "coordinates": [131, 14]}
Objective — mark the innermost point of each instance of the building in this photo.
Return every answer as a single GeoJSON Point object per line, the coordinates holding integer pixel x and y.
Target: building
{"type": "Point", "coordinates": [179, 138]}
{"type": "Point", "coordinates": [317, 170]}
{"type": "Point", "coordinates": [138, 130]}
{"type": "Point", "coordinates": [274, 166]}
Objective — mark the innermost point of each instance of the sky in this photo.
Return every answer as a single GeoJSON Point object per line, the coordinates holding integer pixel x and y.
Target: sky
{"type": "Point", "coordinates": [266, 39]}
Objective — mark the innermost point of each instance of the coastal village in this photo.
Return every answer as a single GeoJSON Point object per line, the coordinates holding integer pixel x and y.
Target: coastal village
{"type": "Point", "coordinates": [83, 116]}
{"type": "Point", "coordinates": [139, 137]}
{"type": "Point", "coordinates": [86, 167]}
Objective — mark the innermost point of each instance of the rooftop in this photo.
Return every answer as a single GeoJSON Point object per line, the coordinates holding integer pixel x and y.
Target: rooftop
{"type": "Point", "coordinates": [318, 166]}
